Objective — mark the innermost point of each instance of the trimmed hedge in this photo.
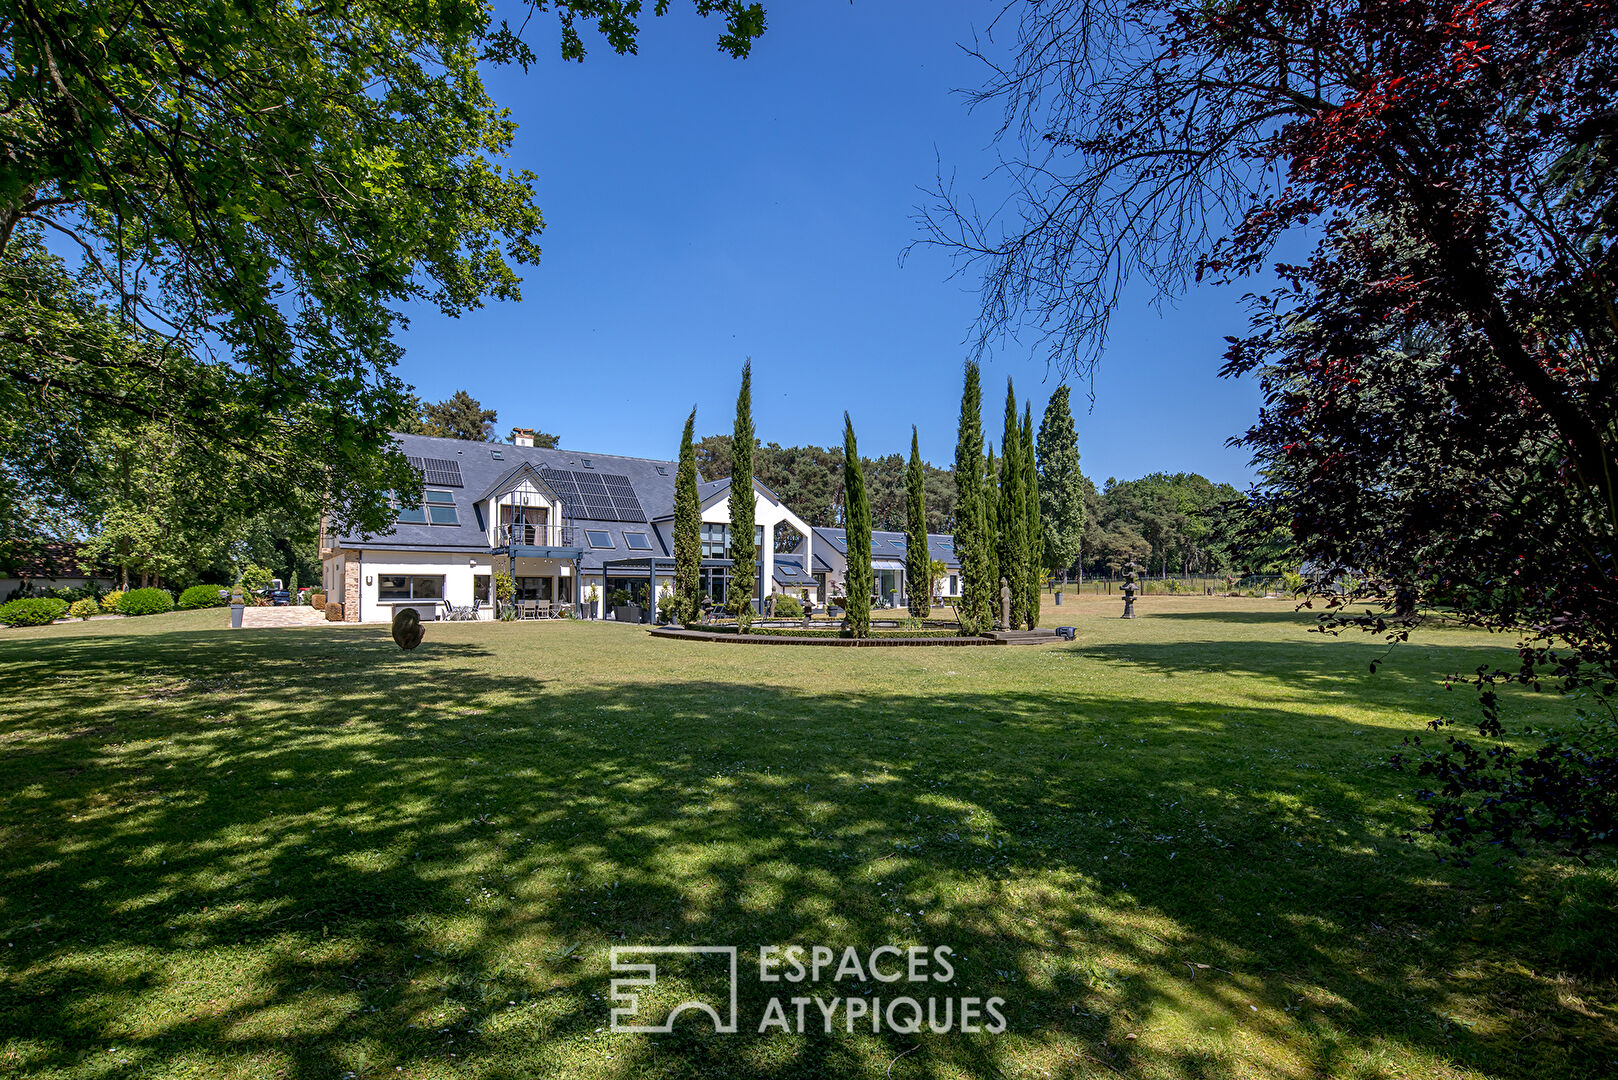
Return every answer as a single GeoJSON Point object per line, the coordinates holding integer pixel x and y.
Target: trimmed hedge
{"type": "Point", "coordinates": [32, 611]}
{"type": "Point", "coordinates": [202, 596]}
{"type": "Point", "coordinates": [778, 631]}
{"type": "Point", "coordinates": [83, 609]}
{"type": "Point", "coordinates": [146, 602]}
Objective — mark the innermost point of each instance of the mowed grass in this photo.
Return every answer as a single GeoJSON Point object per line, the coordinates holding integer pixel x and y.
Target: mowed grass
{"type": "Point", "coordinates": [1174, 848]}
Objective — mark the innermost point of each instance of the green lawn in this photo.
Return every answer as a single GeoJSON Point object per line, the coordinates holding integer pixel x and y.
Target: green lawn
{"type": "Point", "coordinates": [1174, 848]}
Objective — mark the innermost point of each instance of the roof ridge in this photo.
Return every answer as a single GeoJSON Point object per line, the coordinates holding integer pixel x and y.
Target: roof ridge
{"type": "Point", "coordinates": [547, 449]}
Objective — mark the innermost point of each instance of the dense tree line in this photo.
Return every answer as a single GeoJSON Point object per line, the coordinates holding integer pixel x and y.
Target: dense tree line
{"type": "Point", "coordinates": [1170, 523]}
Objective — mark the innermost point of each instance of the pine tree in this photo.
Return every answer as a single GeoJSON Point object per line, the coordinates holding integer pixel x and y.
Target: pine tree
{"type": "Point", "coordinates": [1061, 484]}
{"type": "Point", "coordinates": [1012, 525]}
{"type": "Point", "coordinates": [918, 557]}
{"type": "Point", "coordinates": [971, 539]}
{"type": "Point", "coordinates": [460, 416]}
{"type": "Point", "coordinates": [858, 532]}
{"type": "Point", "coordinates": [687, 529]}
{"type": "Point", "coordinates": [1033, 535]}
{"type": "Point", "coordinates": [743, 549]}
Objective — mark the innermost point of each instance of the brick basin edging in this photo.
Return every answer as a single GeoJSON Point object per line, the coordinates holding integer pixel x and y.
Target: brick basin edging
{"type": "Point", "coordinates": [867, 643]}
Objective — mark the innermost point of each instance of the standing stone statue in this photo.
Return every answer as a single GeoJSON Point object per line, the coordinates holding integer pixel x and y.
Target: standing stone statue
{"type": "Point", "coordinates": [1131, 569]}
{"type": "Point", "coordinates": [1005, 604]}
{"type": "Point", "coordinates": [407, 631]}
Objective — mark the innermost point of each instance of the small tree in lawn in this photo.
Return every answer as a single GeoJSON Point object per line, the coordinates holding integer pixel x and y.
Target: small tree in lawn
{"type": "Point", "coordinates": [858, 532]}
{"type": "Point", "coordinates": [971, 538]}
{"type": "Point", "coordinates": [1033, 535]}
{"type": "Point", "coordinates": [918, 558]}
{"type": "Point", "coordinates": [1011, 526]}
{"type": "Point", "coordinates": [743, 550]}
{"type": "Point", "coordinates": [687, 528]}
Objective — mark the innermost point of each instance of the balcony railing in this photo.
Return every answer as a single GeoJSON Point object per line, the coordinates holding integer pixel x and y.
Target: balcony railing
{"type": "Point", "coordinates": [537, 535]}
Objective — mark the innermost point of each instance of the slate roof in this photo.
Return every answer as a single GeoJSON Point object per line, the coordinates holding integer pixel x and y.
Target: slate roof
{"type": "Point", "coordinates": [481, 473]}
{"type": "Point", "coordinates": [707, 490]}
{"type": "Point", "coordinates": [887, 546]}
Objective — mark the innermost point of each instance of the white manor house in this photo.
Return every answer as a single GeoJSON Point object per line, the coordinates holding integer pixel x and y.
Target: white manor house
{"type": "Point", "coordinates": [571, 529]}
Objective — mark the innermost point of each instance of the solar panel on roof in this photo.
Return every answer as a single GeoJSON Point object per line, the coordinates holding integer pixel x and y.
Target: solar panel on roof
{"type": "Point", "coordinates": [441, 471]}
{"type": "Point", "coordinates": [595, 496]}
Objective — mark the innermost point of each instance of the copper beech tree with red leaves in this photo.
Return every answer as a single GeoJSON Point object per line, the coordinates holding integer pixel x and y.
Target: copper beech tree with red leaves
{"type": "Point", "coordinates": [1440, 373]}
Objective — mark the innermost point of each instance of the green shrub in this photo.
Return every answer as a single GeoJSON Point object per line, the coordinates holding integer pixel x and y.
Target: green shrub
{"type": "Point", "coordinates": [788, 607]}
{"type": "Point", "coordinates": [83, 609]}
{"type": "Point", "coordinates": [146, 602]}
{"type": "Point", "coordinates": [255, 578]}
{"type": "Point", "coordinates": [618, 598]}
{"type": "Point", "coordinates": [201, 596]}
{"type": "Point", "coordinates": [32, 611]}
{"type": "Point", "coordinates": [110, 602]}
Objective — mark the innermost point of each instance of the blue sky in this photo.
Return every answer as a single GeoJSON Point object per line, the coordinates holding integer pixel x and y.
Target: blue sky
{"type": "Point", "coordinates": [700, 210]}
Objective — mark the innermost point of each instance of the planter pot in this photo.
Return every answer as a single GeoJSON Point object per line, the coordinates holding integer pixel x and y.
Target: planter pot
{"type": "Point", "coordinates": [620, 612]}
{"type": "Point", "coordinates": [635, 613]}
{"type": "Point", "coordinates": [1058, 599]}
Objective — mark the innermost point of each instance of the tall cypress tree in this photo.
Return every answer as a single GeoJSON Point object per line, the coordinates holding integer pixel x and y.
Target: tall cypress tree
{"type": "Point", "coordinates": [1061, 484]}
{"type": "Point", "coordinates": [687, 529]}
{"type": "Point", "coordinates": [858, 531]}
{"type": "Point", "coordinates": [743, 550]}
{"type": "Point", "coordinates": [918, 558]}
{"type": "Point", "coordinates": [1033, 534]}
{"type": "Point", "coordinates": [991, 532]}
{"type": "Point", "coordinates": [971, 540]}
{"type": "Point", "coordinates": [1012, 525]}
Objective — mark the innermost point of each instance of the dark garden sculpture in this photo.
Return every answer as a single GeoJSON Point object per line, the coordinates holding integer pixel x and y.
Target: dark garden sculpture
{"type": "Point", "coordinates": [1131, 570]}
{"type": "Point", "coordinates": [407, 630]}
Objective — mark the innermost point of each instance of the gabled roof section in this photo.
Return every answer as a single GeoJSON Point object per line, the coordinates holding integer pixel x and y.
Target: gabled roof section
{"type": "Point", "coordinates": [482, 473]}
{"type": "Point", "coordinates": [507, 480]}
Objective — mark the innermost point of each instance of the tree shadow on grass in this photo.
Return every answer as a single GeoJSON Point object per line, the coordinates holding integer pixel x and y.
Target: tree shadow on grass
{"type": "Point", "coordinates": [318, 855]}
{"type": "Point", "coordinates": [1283, 613]}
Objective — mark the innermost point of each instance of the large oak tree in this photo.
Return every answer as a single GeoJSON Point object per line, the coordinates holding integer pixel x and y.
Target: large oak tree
{"type": "Point", "coordinates": [257, 191]}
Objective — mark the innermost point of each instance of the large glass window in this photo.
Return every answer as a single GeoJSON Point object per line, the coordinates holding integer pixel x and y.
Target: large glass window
{"type": "Point", "coordinates": [533, 588]}
{"type": "Point", "coordinates": [599, 538]}
{"type": "Point", "coordinates": [637, 541]}
{"type": "Point", "coordinates": [715, 542]}
{"type": "Point", "coordinates": [410, 587]}
{"type": "Point", "coordinates": [715, 582]}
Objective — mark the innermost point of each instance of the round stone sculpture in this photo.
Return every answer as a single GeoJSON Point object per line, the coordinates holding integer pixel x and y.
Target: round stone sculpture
{"type": "Point", "coordinates": [407, 629]}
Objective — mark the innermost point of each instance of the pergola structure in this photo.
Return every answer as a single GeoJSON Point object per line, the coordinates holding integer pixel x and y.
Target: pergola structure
{"type": "Point", "coordinates": [651, 566]}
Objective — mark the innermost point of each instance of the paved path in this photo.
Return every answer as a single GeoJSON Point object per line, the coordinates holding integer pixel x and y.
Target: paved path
{"type": "Point", "coordinates": [254, 618]}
